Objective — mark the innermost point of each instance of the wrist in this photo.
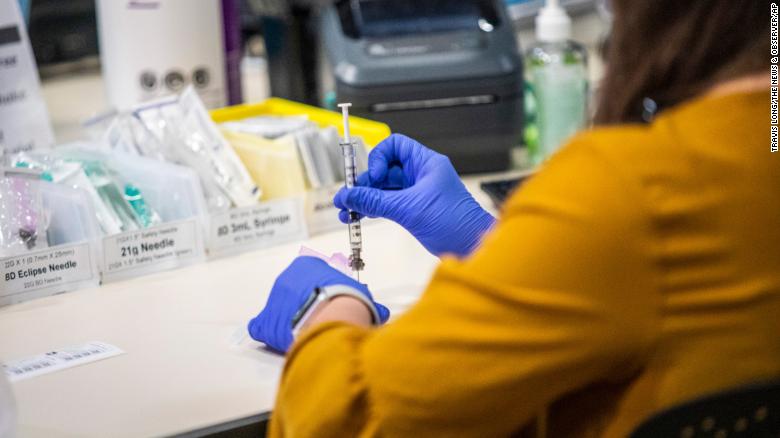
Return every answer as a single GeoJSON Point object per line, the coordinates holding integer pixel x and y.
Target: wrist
{"type": "Point", "coordinates": [343, 308]}
{"type": "Point", "coordinates": [481, 223]}
{"type": "Point", "coordinates": [335, 303]}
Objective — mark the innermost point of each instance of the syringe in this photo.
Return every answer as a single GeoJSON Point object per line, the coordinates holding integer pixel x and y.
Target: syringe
{"type": "Point", "coordinates": [350, 173]}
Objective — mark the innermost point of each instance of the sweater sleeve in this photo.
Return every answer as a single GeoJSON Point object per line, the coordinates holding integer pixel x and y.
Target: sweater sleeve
{"type": "Point", "coordinates": [560, 295]}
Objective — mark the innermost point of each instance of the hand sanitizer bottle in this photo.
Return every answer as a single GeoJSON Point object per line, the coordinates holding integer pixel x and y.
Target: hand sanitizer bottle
{"type": "Point", "coordinates": [557, 71]}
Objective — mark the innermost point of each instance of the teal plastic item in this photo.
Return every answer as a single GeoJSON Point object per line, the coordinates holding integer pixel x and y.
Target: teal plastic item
{"type": "Point", "coordinates": [45, 175]}
{"type": "Point", "coordinates": [24, 5]}
{"type": "Point", "coordinates": [330, 101]}
{"type": "Point", "coordinates": [110, 193]}
{"type": "Point", "coordinates": [145, 215]}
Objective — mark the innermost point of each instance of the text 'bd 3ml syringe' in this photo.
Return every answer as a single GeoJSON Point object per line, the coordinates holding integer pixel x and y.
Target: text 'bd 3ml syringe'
{"type": "Point", "coordinates": [350, 174]}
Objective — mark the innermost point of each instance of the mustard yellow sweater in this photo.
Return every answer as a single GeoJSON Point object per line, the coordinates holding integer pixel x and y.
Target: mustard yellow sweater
{"type": "Point", "coordinates": [638, 269]}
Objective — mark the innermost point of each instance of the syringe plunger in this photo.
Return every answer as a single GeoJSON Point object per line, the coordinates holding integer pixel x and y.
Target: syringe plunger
{"type": "Point", "coordinates": [345, 115]}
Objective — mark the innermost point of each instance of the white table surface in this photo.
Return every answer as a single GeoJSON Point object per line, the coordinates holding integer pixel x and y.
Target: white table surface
{"type": "Point", "coordinates": [182, 369]}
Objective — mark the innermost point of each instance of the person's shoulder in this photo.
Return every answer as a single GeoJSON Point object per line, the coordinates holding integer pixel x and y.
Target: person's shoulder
{"type": "Point", "coordinates": [698, 126]}
{"type": "Point", "coordinates": [589, 183]}
{"type": "Point", "coordinates": [613, 134]}
{"type": "Point", "coordinates": [623, 144]}
{"type": "Point", "coordinates": [594, 165]}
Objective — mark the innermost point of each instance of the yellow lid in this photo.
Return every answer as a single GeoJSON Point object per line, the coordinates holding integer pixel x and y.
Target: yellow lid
{"type": "Point", "coordinates": [372, 132]}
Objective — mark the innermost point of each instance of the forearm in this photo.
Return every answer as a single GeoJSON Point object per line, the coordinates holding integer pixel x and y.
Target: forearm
{"type": "Point", "coordinates": [322, 392]}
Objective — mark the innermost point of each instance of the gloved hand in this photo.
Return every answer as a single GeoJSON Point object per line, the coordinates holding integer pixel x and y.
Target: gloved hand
{"type": "Point", "coordinates": [420, 190]}
{"type": "Point", "coordinates": [273, 326]}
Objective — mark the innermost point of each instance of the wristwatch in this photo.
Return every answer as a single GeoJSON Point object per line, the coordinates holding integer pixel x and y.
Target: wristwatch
{"type": "Point", "coordinates": [322, 295]}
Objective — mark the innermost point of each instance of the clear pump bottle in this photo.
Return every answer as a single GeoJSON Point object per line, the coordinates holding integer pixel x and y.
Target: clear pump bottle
{"type": "Point", "coordinates": [557, 72]}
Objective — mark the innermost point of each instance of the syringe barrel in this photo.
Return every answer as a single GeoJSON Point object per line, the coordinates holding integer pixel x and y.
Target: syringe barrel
{"type": "Point", "coordinates": [355, 234]}
{"type": "Point", "coordinates": [350, 170]}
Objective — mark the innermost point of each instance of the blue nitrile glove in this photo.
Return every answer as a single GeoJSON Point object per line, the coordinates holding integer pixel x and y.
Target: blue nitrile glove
{"type": "Point", "coordinates": [420, 190]}
{"type": "Point", "coordinates": [273, 326]}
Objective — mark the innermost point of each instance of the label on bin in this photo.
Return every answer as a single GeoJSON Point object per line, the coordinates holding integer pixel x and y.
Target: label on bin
{"type": "Point", "coordinates": [154, 249]}
{"type": "Point", "coordinates": [321, 214]}
{"type": "Point", "coordinates": [47, 272]}
{"type": "Point", "coordinates": [58, 360]}
{"type": "Point", "coordinates": [268, 223]}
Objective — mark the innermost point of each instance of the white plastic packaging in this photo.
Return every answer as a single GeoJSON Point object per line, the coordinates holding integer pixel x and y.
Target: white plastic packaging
{"type": "Point", "coordinates": [191, 138]}
{"type": "Point", "coordinates": [270, 127]}
{"type": "Point", "coordinates": [317, 148]}
{"type": "Point", "coordinates": [71, 174]}
{"type": "Point", "coordinates": [23, 220]}
{"type": "Point", "coordinates": [126, 133]}
{"type": "Point", "coordinates": [67, 261]}
{"type": "Point", "coordinates": [70, 213]}
{"type": "Point", "coordinates": [172, 190]}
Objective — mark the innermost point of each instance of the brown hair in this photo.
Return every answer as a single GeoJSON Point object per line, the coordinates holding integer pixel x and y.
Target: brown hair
{"type": "Point", "coordinates": [672, 50]}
